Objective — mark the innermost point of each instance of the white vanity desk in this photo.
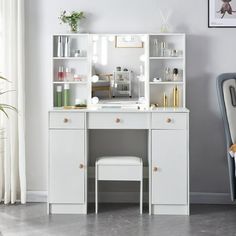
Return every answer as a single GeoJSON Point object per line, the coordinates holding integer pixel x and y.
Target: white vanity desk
{"type": "Point", "coordinates": [168, 156]}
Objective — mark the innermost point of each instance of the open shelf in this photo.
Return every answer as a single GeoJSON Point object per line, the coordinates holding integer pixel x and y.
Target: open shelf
{"type": "Point", "coordinates": [170, 66]}
{"type": "Point", "coordinates": [164, 67]}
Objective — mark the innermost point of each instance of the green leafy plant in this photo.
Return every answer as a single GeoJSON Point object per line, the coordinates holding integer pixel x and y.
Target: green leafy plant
{"type": "Point", "coordinates": [4, 107]}
{"type": "Point", "coordinates": [72, 19]}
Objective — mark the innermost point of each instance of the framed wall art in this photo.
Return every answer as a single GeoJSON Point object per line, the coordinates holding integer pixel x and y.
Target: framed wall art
{"type": "Point", "coordinates": [129, 41]}
{"type": "Point", "coordinates": [221, 13]}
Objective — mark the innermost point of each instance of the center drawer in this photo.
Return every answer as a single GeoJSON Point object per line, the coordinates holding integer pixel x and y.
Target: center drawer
{"type": "Point", "coordinates": [117, 120]}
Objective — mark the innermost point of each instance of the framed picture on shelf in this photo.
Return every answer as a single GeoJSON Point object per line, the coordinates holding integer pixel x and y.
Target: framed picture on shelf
{"type": "Point", "coordinates": [221, 13]}
{"type": "Point", "coordinates": [129, 41]}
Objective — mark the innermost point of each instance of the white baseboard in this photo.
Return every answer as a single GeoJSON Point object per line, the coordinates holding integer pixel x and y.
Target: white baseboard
{"type": "Point", "coordinates": [210, 198]}
{"type": "Point", "coordinates": [36, 196]}
{"type": "Point", "coordinates": [131, 197]}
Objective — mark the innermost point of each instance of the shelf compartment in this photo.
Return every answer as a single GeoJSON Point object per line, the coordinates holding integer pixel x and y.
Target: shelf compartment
{"type": "Point", "coordinates": [77, 42]}
{"type": "Point", "coordinates": [174, 41]}
{"type": "Point", "coordinates": [157, 93]}
{"type": "Point", "coordinates": [76, 92]}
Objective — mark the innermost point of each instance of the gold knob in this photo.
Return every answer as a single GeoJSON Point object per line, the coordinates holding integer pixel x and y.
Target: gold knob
{"type": "Point", "coordinates": [66, 120]}
{"type": "Point", "coordinates": [117, 120]}
{"type": "Point", "coordinates": [81, 166]}
{"type": "Point", "coordinates": [155, 169]}
{"type": "Point", "coordinates": [168, 120]}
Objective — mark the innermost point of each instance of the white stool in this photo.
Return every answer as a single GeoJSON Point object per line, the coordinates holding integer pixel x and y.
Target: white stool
{"type": "Point", "coordinates": [119, 168]}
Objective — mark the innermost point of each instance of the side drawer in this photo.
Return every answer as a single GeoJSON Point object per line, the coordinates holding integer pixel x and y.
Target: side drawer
{"type": "Point", "coordinates": [169, 120]}
{"type": "Point", "coordinates": [118, 120]}
{"type": "Point", "coordinates": [66, 120]}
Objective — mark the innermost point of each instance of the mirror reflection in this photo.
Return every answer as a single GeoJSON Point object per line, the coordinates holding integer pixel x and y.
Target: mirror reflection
{"type": "Point", "coordinates": [118, 68]}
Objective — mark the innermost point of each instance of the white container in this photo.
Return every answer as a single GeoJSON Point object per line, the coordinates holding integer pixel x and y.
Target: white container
{"type": "Point", "coordinates": [59, 46]}
{"type": "Point", "coordinates": [67, 47]}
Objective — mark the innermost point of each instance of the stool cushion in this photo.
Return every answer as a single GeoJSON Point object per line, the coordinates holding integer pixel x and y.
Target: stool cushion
{"type": "Point", "coordinates": [119, 160]}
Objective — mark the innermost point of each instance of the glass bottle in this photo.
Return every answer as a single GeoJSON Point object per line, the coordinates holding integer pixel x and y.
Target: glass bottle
{"type": "Point", "coordinates": [164, 51]}
{"type": "Point", "coordinates": [68, 75]}
{"type": "Point", "coordinates": [59, 96]}
{"type": "Point", "coordinates": [60, 74]}
{"type": "Point", "coordinates": [59, 46]}
{"type": "Point", "coordinates": [165, 100]}
{"type": "Point", "coordinates": [175, 74]}
{"type": "Point", "coordinates": [66, 95]}
{"type": "Point", "coordinates": [155, 48]}
{"type": "Point", "coordinates": [167, 74]}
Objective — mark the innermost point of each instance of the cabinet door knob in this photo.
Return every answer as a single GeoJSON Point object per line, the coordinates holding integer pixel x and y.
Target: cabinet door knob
{"type": "Point", "coordinates": [155, 169]}
{"type": "Point", "coordinates": [66, 120]}
{"type": "Point", "coordinates": [168, 120]}
{"type": "Point", "coordinates": [117, 120]}
{"type": "Point", "coordinates": [81, 166]}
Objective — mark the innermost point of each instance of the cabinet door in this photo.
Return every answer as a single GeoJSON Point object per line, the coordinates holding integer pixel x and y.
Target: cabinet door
{"type": "Point", "coordinates": [66, 166]}
{"type": "Point", "coordinates": [169, 167]}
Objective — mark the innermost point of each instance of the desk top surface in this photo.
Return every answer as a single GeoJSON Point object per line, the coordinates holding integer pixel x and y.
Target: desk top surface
{"type": "Point", "coordinates": [124, 110]}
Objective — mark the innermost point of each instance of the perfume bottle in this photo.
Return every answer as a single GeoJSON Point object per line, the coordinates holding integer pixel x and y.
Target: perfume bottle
{"type": "Point", "coordinates": [155, 48]}
{"type": "Point", "coordinates": [167, 74]}
{"type": "Point", "coordinates": [164, 52]}
{"type": "Point", "coordinates": [175, 97]}
{"type": "Point", "coordinates": [165, 100]}
{"type": "Point", "coordinates": [66, 95]}
{"type": "Point", "coordinates": [68, 74]}
{"type": "Point", "coordinates": [59, 96]}
{"type": "Point", "coordinates": [59, 46]}
{"type": "Point", "coordinates": [60, 74]}
{"type": "Point", "coordinates": [175, 74]}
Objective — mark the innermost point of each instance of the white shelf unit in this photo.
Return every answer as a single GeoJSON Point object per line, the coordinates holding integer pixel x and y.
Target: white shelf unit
{"type": "Point", "coordinates": [158, 65]}
{"type": "Point", "coordinates": [80, 66]}
{"type": "Point", "coordinates": [154, 67]}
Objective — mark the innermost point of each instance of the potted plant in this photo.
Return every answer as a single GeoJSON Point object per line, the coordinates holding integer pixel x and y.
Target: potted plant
{"type": "Point", "coordinates": [72, 19]}
{"type": "Point", "coordinates": [3, 106]}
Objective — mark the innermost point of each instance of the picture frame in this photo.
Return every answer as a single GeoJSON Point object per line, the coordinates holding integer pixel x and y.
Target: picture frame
{"type": "Point", "coordinates": [129, 41]}
{"type": "Point", "coordinates": [222, 13]}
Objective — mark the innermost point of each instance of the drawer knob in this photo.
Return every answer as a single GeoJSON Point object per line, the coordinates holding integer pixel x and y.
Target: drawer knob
{"type": "Point", "coordinates": [117, 120]}
{"type": "Point", "coordinates": [66, 120]}
{"type": "Point", "coordinates": [81, 166]}
{"type": "Point", "coordinates": [168, 120]}
{"type": "Point", "coordinates": [155, 169]}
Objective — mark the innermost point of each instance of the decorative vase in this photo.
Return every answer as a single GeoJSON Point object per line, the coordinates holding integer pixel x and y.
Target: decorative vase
{"type": "Point", "coordinates": [74, 26]}
{"type": "Point", "coordinates": [165, 26]}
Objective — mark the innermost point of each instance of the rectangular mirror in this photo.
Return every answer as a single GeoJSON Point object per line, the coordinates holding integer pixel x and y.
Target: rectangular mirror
{"type": "Point", "coordinates": [119, 69]}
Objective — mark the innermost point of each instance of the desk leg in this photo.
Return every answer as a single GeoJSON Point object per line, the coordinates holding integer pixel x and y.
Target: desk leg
{"type": "Point", "coordinates": [96, 189]}
{"type": "Point", "coordinates": [141, 191]}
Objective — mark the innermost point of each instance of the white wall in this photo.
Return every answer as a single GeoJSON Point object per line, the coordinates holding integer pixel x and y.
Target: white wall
{"type": "Point", "coordinates": [209, 53]}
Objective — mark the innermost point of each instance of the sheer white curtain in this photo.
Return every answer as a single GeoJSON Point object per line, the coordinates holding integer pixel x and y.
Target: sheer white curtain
{"type": "Point", "coordinates": [12, 139]}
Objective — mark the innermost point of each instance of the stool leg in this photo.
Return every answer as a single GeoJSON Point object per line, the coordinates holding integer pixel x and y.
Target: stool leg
{"type": "Point", "coordinates": [96, 190]}
{"type": "Point", "coordinates": [141, 197]}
